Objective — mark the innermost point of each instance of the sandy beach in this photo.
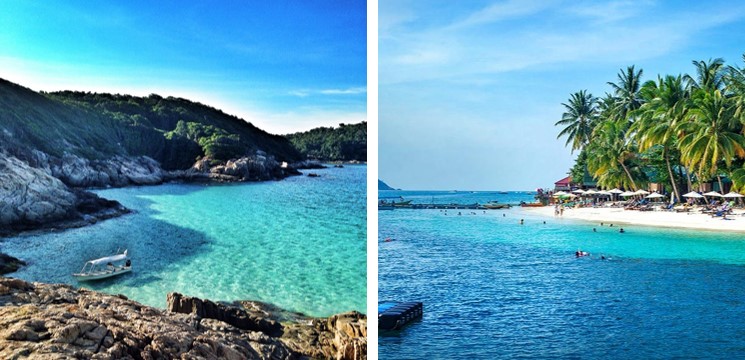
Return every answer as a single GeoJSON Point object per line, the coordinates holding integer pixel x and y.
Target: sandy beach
{"type": "Point", "coordinates": [618, 216]}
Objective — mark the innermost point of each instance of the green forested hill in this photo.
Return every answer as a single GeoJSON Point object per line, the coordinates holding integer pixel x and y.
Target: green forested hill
{"type": "Point", "coordinates": [173, 131]}
{"type": "Point", "coordinates": [344, 143]}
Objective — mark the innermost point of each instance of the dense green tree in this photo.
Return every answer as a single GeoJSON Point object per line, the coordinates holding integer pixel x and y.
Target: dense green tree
{"type": "Point", "coordinates": [665, 105]}
{"type": "Point", "coordinates": [344, 143]}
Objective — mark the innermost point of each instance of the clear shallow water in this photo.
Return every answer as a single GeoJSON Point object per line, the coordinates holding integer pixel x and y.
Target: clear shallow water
{"type": "Point", "coordinates": [299, 243]}
{"type": "Point", "coordinates": [493, 288]}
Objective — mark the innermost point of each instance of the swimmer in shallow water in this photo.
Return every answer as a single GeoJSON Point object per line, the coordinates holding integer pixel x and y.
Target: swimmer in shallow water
{"type": "Point", "coordinates": [621, 231]}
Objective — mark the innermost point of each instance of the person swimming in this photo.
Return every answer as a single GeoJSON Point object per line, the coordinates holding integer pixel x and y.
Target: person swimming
{"type": "Point", "coordinates": [621, 231]}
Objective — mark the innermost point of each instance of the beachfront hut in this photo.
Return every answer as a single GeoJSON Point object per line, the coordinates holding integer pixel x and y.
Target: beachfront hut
{"type": "Point", "coordinates": [564, 184]}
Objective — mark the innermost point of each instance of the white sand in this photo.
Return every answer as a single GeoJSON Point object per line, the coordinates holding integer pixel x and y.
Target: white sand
{"type": "Point", "coordinates": [618, 216]}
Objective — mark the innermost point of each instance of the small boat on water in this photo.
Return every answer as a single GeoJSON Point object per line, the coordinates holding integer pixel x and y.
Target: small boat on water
{"type": "Point", "coordinates": [493, 205]}
{"type": "Point", "coordinates": [105, 267]}
{"type": "Point", "coordinates": [531, 205]}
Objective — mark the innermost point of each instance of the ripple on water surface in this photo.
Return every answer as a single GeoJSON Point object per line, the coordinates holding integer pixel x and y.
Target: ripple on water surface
{"type": "Point", "coordinates": [493, 288]}
{"type": "Point", "coordinates": [298, 243]}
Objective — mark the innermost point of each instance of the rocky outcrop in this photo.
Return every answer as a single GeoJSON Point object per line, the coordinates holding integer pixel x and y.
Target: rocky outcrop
{"type": "Point", "coordinates": [118, 171]}
{"type": "Point", "coordinates": [231, 315]}
{"type": "Point", "coordinates": [30, 195]}
{"type": "Point", "coordinates": [9, 264]}
{"type": "Point", "coordinates": [308, 165]}
{"type": "Point", "coordinates": [31, 198]}
{"type": "Point", "coordinates": [258, 167]}
{"type": "Point", "coordinates": [341, 337]}
{"type": "Point", "coordinates": [58, 321]}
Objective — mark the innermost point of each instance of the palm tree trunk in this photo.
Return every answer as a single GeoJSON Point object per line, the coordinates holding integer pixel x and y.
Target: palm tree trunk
{"type": "Point", "coordinates": [682, 183]}
{"type": "Point", "coordinates": [670, 172]}
{"type": "Point", "coordinates": [721, 188]}
{"type": "Point", "coordinates": [688, 177]}
{"type": "Point", "coordinates": [625, 169]}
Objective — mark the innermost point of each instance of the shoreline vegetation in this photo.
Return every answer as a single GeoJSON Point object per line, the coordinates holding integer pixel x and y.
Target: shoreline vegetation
{"type": "Point", "coordinates": [676, 133]}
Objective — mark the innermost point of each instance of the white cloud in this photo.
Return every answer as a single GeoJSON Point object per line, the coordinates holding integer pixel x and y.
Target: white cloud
{"type": "Point", "coordinates": [495, 39]}
{"type": "Point", "coordinates": [345, 91]}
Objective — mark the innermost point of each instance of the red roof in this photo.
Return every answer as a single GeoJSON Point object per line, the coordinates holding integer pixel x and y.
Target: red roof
{"type": "Point", "coordinates": [564, 182]}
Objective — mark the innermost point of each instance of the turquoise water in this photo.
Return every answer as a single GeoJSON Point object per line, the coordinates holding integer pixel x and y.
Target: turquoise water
{"type": "Point", "coordinates": [299, 243]}
{"type": "Point", "coordinates": [493, 288]}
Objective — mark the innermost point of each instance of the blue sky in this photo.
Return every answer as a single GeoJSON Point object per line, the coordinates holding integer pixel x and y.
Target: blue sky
{"type": "Point", "coordinates": [283, 65]}
{"type": "Point", "coordinates": [469, 91]}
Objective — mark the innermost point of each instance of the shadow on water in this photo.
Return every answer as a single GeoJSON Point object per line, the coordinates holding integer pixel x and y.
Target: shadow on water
{"type": "Point", "coordinates": [153, 245]}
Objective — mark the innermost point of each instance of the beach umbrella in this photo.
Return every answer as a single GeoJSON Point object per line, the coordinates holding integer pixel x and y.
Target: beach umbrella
{"type": "Point", "coordinates": [641, 192]}
{"type": "Point", "coordinates": [713, 193]}
{"type": "Point", "coordinates": [655, 195]}
{"type": "Point", "coordinates": [693, 194]}
{"type": "Point", "coordinates": [590, 192]}
{"type": "Point", "coordinates": [602, 192]}
{"type": "Point", "coordinates": [732, 194]}
{"type": "Point", "coordinates": [579, 191]}
{"type": "Point", "coordinates": [627, 194]}
{"type": "Point", "coordinates": [560, 193]}
{"type": "Point", "coordinates": [615, 191]}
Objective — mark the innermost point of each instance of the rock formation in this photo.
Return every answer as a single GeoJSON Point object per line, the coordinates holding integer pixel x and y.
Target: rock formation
{"type": "Point", "coordinates": [31, 198]}
{"type": "Point", "coordinates": [9, 264]}
{"type": "Point", "coordinates": [58, 321]}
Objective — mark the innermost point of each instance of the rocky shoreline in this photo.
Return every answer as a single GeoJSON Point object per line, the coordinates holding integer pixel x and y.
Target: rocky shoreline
{"type": "Point", "coordinates": [40, 192]}
{"type": "Point", "coordinates": [58, 321]}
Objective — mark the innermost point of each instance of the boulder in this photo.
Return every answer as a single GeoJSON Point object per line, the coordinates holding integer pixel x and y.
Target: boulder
{"type": "Point", "coordinates": [117, 171]}
{"type": "Point", "coordinates": [9, 264]}
{"type": "Point", "coordinates": [231, 315]}
{"type": "Point", "coordinates": [31, 196]}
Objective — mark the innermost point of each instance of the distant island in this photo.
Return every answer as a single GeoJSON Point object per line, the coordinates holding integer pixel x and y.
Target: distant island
{"type": "Point", "coordinates": [384, 186]}
{"type": "Point", "coordinates": [55, 145]}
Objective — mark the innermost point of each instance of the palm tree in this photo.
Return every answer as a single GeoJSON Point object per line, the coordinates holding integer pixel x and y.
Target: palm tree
{"type": "Point", "coordinates": [610, 155]}
{"type": "Point", "coordinates": [712, 134]}
{"type": "Point", "coordinates": [579, 119]}
{"type": "Point", "coordinates": [665, 106]}
{"type": "Point", "coordinates": [626, 92]}
{"type": "Point", "coordinates": [709, 75]}
{"type": "Point", "coordinates": [734, 81]}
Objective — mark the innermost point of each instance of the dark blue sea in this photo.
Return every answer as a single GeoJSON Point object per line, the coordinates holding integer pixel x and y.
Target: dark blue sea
{"type": "Point", "coordinates": [495, 289]}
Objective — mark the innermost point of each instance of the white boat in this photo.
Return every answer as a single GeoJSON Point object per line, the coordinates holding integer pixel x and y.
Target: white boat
{"type": "Point", "coordinates": [105, 267]}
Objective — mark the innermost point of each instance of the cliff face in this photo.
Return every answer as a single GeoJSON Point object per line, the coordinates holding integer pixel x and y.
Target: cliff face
{"type": "Point", "coordinates": [32, 198]}
{"type": "Point", "coordinates": [57, 321]}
